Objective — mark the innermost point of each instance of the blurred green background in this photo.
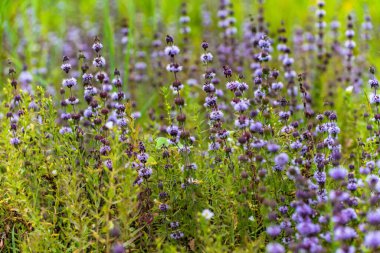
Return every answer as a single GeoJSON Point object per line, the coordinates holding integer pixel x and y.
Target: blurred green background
{"type": "Point", "coordinates": [31, 23]}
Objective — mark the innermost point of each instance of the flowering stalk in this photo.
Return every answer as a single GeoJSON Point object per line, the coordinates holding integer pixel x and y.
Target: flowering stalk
{"type": "Point", "coordinates": [15, 112]}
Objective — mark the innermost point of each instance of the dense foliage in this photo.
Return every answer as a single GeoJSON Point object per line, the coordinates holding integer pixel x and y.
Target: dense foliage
{"type": "Point", "coordinates": [248, 135]}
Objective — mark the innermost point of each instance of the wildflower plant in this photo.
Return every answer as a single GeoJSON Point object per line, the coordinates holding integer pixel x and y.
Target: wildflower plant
{"type": "Point", "coordinates": [248, 129]}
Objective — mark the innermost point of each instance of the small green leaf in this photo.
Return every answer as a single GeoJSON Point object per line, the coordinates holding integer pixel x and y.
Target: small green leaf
{"type": "Point", "coordinates": [161, 141]}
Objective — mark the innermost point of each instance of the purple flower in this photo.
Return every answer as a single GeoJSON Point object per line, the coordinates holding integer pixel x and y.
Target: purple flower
{"type": "Point", "coordinates": [275, 248]}
{"type": "Point", "coordinates": [163, 207]}
{"type": "Point", "coordinates": [207, 57]}
{"type": "Point", "coordinates": [372, 239]}
{"type": "Point", "coordinates": [233, 85]}
{"type": "Point", "coordinates": [256, 127]}
{"type": "Point", "coordinates": [108, 164]}
{"type": "Point", "coordinates": [372, 180]}
{"type": "Point", "coordinates": [344, 233]}
{"type": "Point", "coordinates": [281, 159]}
{"type": "Point", "coordinates": [65, 130]}
{"type": "Point", "coordinates": [373, 217]}
{"type": "Point", "coordinates": [277, 86]}
{"type": "Point", "coordinates": [283, 209]}
{"type": "Point", "coordinates": [15, 141]}
{"type": "Point", "coordinates": [308, 228]}
{"type": "Point", "coordinates": [364, 170]}
{"type": "Point", "coordinates": [118, 248]}
{"type": "Point", "coordinates": [338, 173]}
{"type": "Point", "coordinates": [172, 51]}
{"type": "Point", "coordinates": [177, 235]}
{"type": "Point", "coordinates": [99, 62]}
{"type": "Point", "coordinates": [104, 150]}
{"type": "Point", "coordinates": [70, 82]}
{"type": "Point", "coordinates": [274, 230]}
{"type": "Point", "coordinates": [320, 177]}
{"type": "Point", "coordinates": [273, 148]}
{"type": "Point", "coordinates": [216, 115]}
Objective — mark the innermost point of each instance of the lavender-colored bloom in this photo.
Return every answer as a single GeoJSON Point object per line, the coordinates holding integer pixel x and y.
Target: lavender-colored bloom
{"type": "Point", "coordinates": [323, 219]}
{"type": "Point", "coordinates": [143, 158]}
{"type": "Point", "coordinates": [320, 177]}
{"type": "Point", "coordinates": [214, 146]}
{"type": "Point", "coordinates": [163, 207]}
{"type": "Point", "coordinates": [33, 105]}
{"type": "Point", "coordinates": [136, 115]}
{"type": "Point", "coordinates": [25, 78]}
{"type": "Point", "coordinates": [69, 82]}
{"type": "Point", "coordinates": [283, 209]}
{"type": "Point", "coordinates": [344, 216]}
{"type": "Point", "coordinates": [15, 141]}
{"type": "Point", "coordinates": [326, 236]}
{"type": "Point", "coordinates": [372, 180]}
{"type": "Point", "coordinates": [242, 123]}
{"type": "Point", "coordinates": [372, 239]}
{"type": "Point", "coordinates": [275, 248]}
{"type": "Point", "coordinates": [174, 67]}
{"type": "Point", "coordinates": [107, 87]}
{"type": "Point", "coordinates": [364, 170]}
{"type": "Point", "coordinates": [206, 58]}
{"type": "Point", "coordinates": [281, 159]}
{"type": "Point", "coordinates": [374, 99]}
{"type": "Point", "coordinates": [274, 230]}
{"type": "Point", "coordinates": [122, 122]}
{"type": "Point", "coordinates": [108, 164]}
{"type": "Point", "coordinates": [241, 106]}
{"type": "Point", "coordinates": [138, 181]}
{"type": "Point", "coordinates": [233, 85]}
{"type": "Point", "coordinates": [172, 51]}
{"type": "Point", "coordinates": [350, 249]}
{"type": "Point", "coordinates": [210, 101]}
{"type": "Point", "coordinates": [374, 83]}
{"type": "Point", "coordinates": [219, 93]}
{"type": "Point", "coordinates": [338, 173]}
{"type": "Point", "coordinates": [285, 224]}
{"type": "Point", "coordinates": [145, 172]}
{"type": "Point", "coordinates": [216, 115]}
{"type": "Point", "coordinates": [256, 127]}
{"type": "Point", "coordinates": [118, 248]}
{"type": "Point", "coordinates": [172, 130]}
{"type": "Point", "coordinates": [258, 144]}
{"type": "Point", "coordinates": [177, 235]}
{"type": "Point", "coordinates": [308, 228]}
{"type": "Point", "coordinates": [99, 62]}
{"type": "Point", "coordinates": [191, 166]}
{"type": "Point", "coordinates": [352, 186]}
{"type": "Point", "coordinates": [304, 210]}
{"type": "Point", "coordinates": [243, 86]}
{"type": "Point", "coordinates": [72, 101]}
{"type": "Point", "coordinates": [87, 78]}
{"type": "Point", "coordinates": [90, 91]}
{"type": "Point", "coordinates": [370, 165]}
{"type": "Point", "coordinates": [373, 217]}
{"type": "Point", "coordinates": [277, 86]}
{"type": "Point", "coordinates": [338, 196]}
{"type": "Point", "coordinates": [344, 233]}
{"type": "Point", "coordinates": [104, 150]}
{"type": "Point", "coordinates": [273, 148]}
{"type": "Point", "coordinates": [65, 116]}
{"type": "Point", "coordinates": [296, 145]}
{"type": "Point", "coordinates": [66, 67]}
{"type": "Point", "coordinates": [97, 46]}
{"type": "Point", "coordinates": [259, 94]}
{"type": "Point", "coordinates": [174, 224]}
{"type": "Point", "coordinates": [65, 130]}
